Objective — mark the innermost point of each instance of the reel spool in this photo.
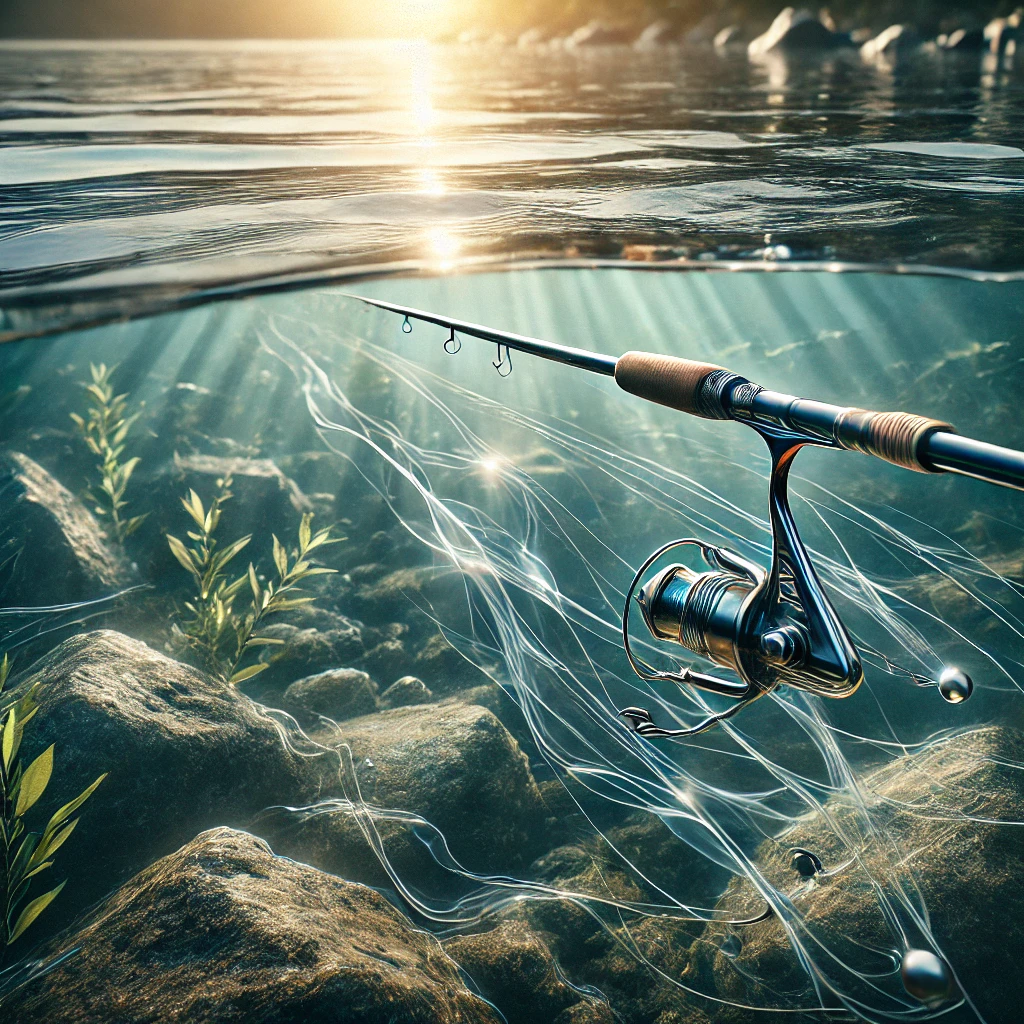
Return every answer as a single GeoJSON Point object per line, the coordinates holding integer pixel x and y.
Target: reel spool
{"type": "Point", "coordinates": [771, 628]}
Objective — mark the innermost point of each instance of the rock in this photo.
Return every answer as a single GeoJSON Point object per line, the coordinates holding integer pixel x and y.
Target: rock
{"type": "Point", "coordinates": [896, 39]}
{"type": "Point", "coordinates": [1002, 34]}
{"type": "Point", "coordinates": [795, 31]}
{"type": "Point", "coordinates": [337, 693]}
{"type": "Point", "coordinates": [941, 810]}
{"type": "Point", "coordinates": [658, 33]}
{"type": "Point", "coordinates": [52, 549]}
{"type": "Point", "coordinates": [513, 968]}
{"type": "Point", "coordinates": [182, 752]}
{"type": "Point", "coordinates": [962, 41]}
{"type": "Point", "coordinates": [405, 691]}
{"type": "Point", "coordinates": [311, 649]}
{"type": "Point", "coordinates": [445, 668]}
{"type": "Point", "coordinates": [455, 765]}
{"type": "Point", "coordinates": [596, 33]}
{"type": "Point", "coordinates": [223, 931]}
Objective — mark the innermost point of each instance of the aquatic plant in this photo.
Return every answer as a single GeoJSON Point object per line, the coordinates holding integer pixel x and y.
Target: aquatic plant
{"type": "Point", "coordinates": [25, 855]}
{"type": "Point", "coordinates": [105, 428]}
{"type": "Point", "coordinates": [219, 636]}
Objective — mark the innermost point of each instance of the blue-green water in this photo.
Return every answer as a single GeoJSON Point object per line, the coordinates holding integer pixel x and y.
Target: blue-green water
{"type": "Point", "coordinates": [510, 513]}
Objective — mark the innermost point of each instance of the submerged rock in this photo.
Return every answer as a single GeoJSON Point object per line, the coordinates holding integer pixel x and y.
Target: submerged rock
{"type": "Point", "coordinates": [182, 752]}
{"type": "Point", "coordinates": [512, 967]}
{"type": "Point", "coordinates": [52, 549]}
{"type": "Point", "coordinates": [941, 810]}
{"type": "Point", "coordinates": [223, 931]}
{"type": "Point", "coordinates": [337, 693]}
{"type": "Point", "coordinates": [455, 765]}
{"type": "Point", "coordinates": [405, 691]}
{"type": "Point", "coordinates": [308, 650]}
{"type": "Point", "coordinates": [796, 31]}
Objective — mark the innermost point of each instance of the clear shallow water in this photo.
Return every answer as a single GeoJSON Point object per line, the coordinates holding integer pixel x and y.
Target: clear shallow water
{"type": "Point", "coordinates": [180, 164]}
{"type": "Point", "coordinates": [515, 510]}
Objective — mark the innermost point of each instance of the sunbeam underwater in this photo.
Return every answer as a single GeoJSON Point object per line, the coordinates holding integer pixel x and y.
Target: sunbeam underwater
{"type": "Point", "coordinates": [803, 843]}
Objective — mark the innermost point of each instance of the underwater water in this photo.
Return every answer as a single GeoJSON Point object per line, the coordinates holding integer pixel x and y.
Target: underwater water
{"type": "Point", "coordinates": [183, 229]}
{"type": "Point", "coordinates": [491, 527]}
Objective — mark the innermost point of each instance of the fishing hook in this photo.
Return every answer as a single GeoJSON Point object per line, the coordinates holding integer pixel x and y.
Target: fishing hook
{"type": "Point", "coordinates": [502, 360]}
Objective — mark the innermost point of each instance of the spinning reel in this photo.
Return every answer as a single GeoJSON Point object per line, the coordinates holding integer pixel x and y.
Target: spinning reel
{"type": "Point", "coordinates": [770, 627]}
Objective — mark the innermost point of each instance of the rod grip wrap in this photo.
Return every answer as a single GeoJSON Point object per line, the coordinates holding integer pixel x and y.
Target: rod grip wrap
{"type": "Point", "coordinates": [682, 384]}
{"type": "Point", "coordinates": [897, 437]}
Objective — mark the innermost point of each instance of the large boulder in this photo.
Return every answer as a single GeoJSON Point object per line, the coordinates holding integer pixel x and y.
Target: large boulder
{"type": "Point", "coordinates": [458, 767]}
{"type": "Point", "coordinates": [223, 931]}
{"type": "Point", "coordinates": [795, 31]}
{"type": "Point", "coordinates": [182, 752]}
{"type": "Point", "coordinates": [943, 824]}
{"type": "Point", "coordinates": [52, 549]}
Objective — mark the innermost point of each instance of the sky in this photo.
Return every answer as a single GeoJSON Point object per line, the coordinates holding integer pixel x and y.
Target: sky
{"type": "Point", "coordinates": [225, 18]}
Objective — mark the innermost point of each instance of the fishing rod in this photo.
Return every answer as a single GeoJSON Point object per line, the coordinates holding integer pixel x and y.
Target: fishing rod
{"type": "Point", "coordinates": [773, 626]}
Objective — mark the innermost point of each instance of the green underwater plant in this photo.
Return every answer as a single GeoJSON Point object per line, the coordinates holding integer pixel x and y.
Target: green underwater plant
{"type": "Point", "coordinates": [25, 855]}
{"type": "Point", "coordinates": [105, 428]}
{"type": "Point", "coordinates": [218, 634]}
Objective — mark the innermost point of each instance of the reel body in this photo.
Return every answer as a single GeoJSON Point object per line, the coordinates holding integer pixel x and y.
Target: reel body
{"type": "Point", "coordinates": [770, 627]}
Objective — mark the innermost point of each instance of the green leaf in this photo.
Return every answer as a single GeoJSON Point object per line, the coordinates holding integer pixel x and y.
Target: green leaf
{"type": "Point", "coordinates": [257, 594]}
{"type": "Point", "coordinates": [247, 673]}
{"type": "Point", "coordinates": [50, 844]}
{"type": "Point", "coordinates": [39, 867]}
{"type": "Point", "coordinates": [32, 911]}
{"type": "Point", "coordinates": [65, 812]}
{"type": "Point", "coordinates": [280, 558]}
{"type": "Point", "coordinates": [181, 553]}
{"type": "Point", "coordinates": [34, 781]}
{"type": "Point", "coordinates": [5, 671]}
{"type": "Point", "coordinates": [194, 507]}
{"type": "Point", "coordinates": [283, 604]}
{"type": "Point", "coordinates": [304, 531]}
{"type": "Point", "coordinates": [10, 728]}
{"type": "Point", "coordinates": [261, 641]}
{"type": "Point", "coordinates": [223, 557]}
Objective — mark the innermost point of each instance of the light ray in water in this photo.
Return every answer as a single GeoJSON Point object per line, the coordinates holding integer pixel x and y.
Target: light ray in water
{"type": "Point", "coordinates": [541, 588]}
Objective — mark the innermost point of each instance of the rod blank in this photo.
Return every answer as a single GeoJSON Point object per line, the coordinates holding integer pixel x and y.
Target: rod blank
{"type": "Point", "coordinates": [713, 392]}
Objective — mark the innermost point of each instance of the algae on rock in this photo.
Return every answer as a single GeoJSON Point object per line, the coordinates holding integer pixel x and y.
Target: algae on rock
{"type": "Point", "coordinates": [222, 931]}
